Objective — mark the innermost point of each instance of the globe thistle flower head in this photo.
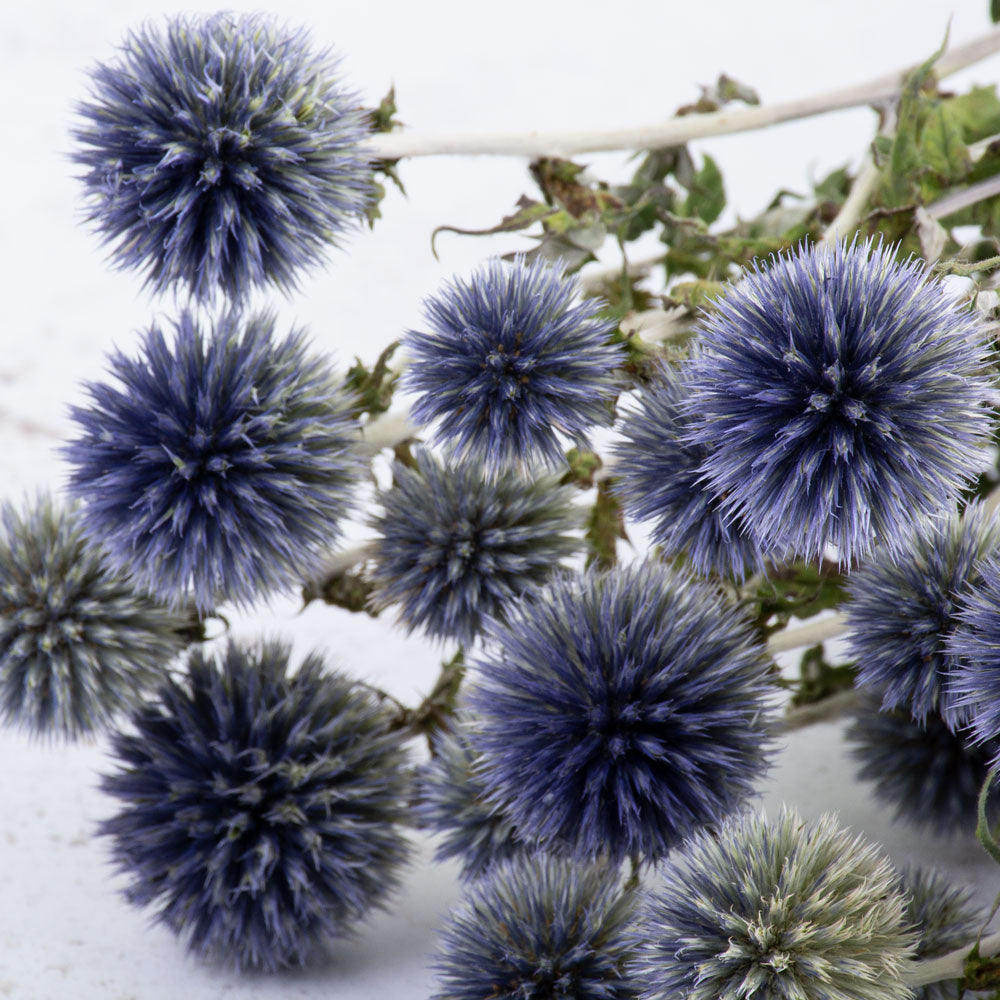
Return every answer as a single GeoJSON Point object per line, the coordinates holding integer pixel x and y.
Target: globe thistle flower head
{"type": "Point", "coordinates": [512, 365]}
{"type": "Point", "coordinates": [540, 927]}
{"type": "Point", "coordinates": [946, 918]}
{"type": "Point", "coordinates": [452, 802]}
{"type": "Point", "coordinates": [658, 477]}
{"type": "Point", "coordinates": [78, 643]}
{"type": "Point", "coordinates": [455, 546]}
{"type": "Point", "coordinates": [974, 687]}
{"type": "Point", "coordinates": [839, 393]}
{"type": "Point", "coordinates": [619, 711]}
{"type": "Point", "coordinates": [930, 774]}
{"type": "Point", "coordinates": [220, 464]}
{"type": "Point", "coordinates": [776, 910]}
{"type": "Point", "coordinates": [902, 608]}
{"type": "Point", "coordinates": [223, 152]}
{"type": "Point", "coordinates": [260, 811]}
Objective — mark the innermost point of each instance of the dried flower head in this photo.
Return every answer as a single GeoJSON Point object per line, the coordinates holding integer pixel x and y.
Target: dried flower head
{"type": "Point", "coordinates": [776, 910]}
{"type": "Point", "coordinates": [222, 151]}
{"type": "Point", "coordinates": [619, 711]}
{"type": "Point", "coordinates": [540, 928]}
{"type": "Point", "coordinates": [902, 608]}
{"type": "Point", "coordinates": [929, 773]}
{"type": "Point", "coordinates": [260, 811]}
{"type": "Point", "coordinates": [659, 479]}
{"type": "Point", "coordinates": [220, 465]}
{"type": "Point", "coordinates": [512, 365]}
{"type": "Point", "coordinates": [946, 918]}
{"type": "Point", "coordinates": [78, 643]}
{"type": "Point", "coordinates": [455, 546]}
{"type": "Point", "coordinates": [452, 802]}
{"type": "Point", "coordinates": [839, 393]}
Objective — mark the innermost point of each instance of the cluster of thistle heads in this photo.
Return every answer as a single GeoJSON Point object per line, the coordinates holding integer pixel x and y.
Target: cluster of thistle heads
{"type": "Point", "coordinates": [836, 402]}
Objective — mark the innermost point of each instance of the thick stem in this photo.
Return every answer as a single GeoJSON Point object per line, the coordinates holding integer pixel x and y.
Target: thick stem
{"type": "Point", "coordinates": [676, 131]}
{"type": "Point", "coordinates": [807, 635]}
{"type": "Point", "coordinates": [950, 966]}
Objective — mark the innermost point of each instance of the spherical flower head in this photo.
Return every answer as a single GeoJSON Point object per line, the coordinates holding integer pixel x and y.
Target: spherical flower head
{"type": "Point", "coordinates": [455, 546]}
{"type": "Point", "coordinates": [658, 476]}
{"type": "Point", "coordinates": [452, 801]}
{"type": "Point", "coordinates": [946, 918]}
{"type": "Point", "coordinates": [78, 642]}
{"type": "Point", "coordinates": [223, 152]}
{"type": "Point", "coordinates": [975, 686]}
{"type": "Point", "coordinates": [776, 910]}
{"type": "Point", "coordinates": [839, 394]}
{"type": "Point", "coordinates": [929, 773]}
{"type": "Point", "coordinates": [220, 465]}
{"type": "Point", "coordinates": [260, 811]}
{"type": "Point", "coordinates": [540, 928]}
{"type": "Point", "coordinates": [902, 608]}
{"type": "Point", "coordinates": [619, 711]}
{"type": "Point", "coordinates": [512, 365]}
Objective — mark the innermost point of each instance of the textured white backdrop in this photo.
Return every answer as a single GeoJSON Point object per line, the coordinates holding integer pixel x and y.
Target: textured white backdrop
{"type": "Point", "coordinates": [64, 930]}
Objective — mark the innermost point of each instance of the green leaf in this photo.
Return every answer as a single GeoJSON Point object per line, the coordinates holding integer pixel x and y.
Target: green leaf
{"type": "Point", "coordinates": [528, 213]}
{"type": "Point", "coordinates": [943, 144]}
{"type": "Point", "coordinates": [995, 11]}
{"type": "Point", "coordinates": [707, 198]}
{"type": "Point", "coordinates": [977, 112]}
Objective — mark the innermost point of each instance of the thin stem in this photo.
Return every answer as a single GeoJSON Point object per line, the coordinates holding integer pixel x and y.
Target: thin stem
{"type": "Point", "coordinates": [957, 200]}
{"type": "Point", "coordinates": [830, 707]}
{"type": "Point", "coordinates": [950, 966]}
{"type": "Point", "coordinates": [676, 131]}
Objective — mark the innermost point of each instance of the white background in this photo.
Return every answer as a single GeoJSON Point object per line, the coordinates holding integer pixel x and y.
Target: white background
{"type": "Point", "coordinates": [64, 930]}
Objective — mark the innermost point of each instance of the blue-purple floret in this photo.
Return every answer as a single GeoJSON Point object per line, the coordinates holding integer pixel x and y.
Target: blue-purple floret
{"type": "Point", "coordinates": [540, 928]}
{"type": "Point", "coordinates": [455, 546]}
{"type": "Point", "coordinates": [260, 809]}
{"type": "Point", "coordinates": [512, 365]}
{"type": "Point", "coordinates": [928, 773]}
{"type": "Point", "coordinates": [220, 464]}
{"type": "Point", "coordinates": [620, 711]}
{"type": "Point", "coordinates": [902, 608]}
{"type": "Point", "coordinates": [975, 643]}
{"type": "Point", "coordinates": [658, 477]}
{"type": "Point", "coordinates": [452, 803]}
{"type": "Point", "coordinates": [222, 152]}
{"type": "Point", "coordinates": [839, 393]}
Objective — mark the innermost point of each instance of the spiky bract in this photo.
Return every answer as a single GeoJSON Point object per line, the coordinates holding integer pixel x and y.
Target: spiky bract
{"type": "Point", "coordinates": [658, 477]}
{"type": "Point", "coordinates": [540, 928]}
{"type": "Point", "coordinates": [902, 608]}
{"type": "Point", "coordinates": [930, 774]}
{"type": "Point", "coordinates": [452, 802]}
{"type": "Point", "coordinates": [776, 910]}
{"type": "Point", "coordinates": [512, 365]}
{"type": "Point", "coordinates": [78, 643]}
{"type": "Point", "coordinates": [946, 919]}
{"type": "Point", "coordinates": [839, 393]}
{"type": "Point", "coordinates": [259, 812]}
{"type": "Point", "coordinates": [455, 546]}
{"type": "Point", "coordinates": [975, 686]}
{"type": "Point", "coordinates": [222, 151]}
{"type": "Point", "coordinates": [220, 465]}
{"type": "Point", "coordinates": [619, 711]}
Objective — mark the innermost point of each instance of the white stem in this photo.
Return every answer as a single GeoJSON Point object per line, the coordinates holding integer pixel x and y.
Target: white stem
{"type": "Point", "coordinates": [387, 430]}
{"type": "Point", "coordinates": [958, 200]}
{"type": "Point", "coordinates": [950, 966]}
{"type": "Point", "coordinates": [676, 131]}
{"type": "Point", "coordinates": [807, 635]}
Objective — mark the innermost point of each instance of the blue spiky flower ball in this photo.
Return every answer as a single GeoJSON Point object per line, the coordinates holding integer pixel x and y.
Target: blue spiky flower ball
{"type": "Point", "coordinates": [839, 393]}
{"type": "Point", "coordinates": [260, 809]}
{"type": "Point", "coordinates": [454, 546]}
{"type": "Point", "coordinates": [540, 927]}
{"type": "Point", "coordinates": [779, 909]}
{"type": "Point", "coordinates": [221, 463]}
{"type": "Point", "coordinates": [658, 477]}
{"type": "Point", "coordinates": [618, 711]}
{"type": "Point", "coordinates": [513, 365]}
{"type": "Point", "coordinates": [223, 152]}
{"type": "Point", "coordinates": [78, 642]}
{"type": "Point", "coordinates": [902, 608]}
